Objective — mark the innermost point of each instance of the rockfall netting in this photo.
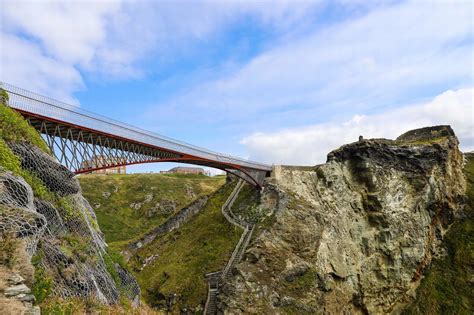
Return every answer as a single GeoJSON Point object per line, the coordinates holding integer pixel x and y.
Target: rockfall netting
{"type": "Point", "coordinates": [62, 230]}
{"type": "Point", "coordinates": [17, 214]}
{"type": "Point", "coordinates": [55, 176]}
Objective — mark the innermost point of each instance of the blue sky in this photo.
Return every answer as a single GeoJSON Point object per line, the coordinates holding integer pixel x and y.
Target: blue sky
{"type": "Point", "coordinates": [278, 82]}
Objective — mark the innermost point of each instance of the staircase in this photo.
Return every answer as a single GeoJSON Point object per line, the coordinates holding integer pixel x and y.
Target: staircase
{"type": "Point", "coordinates": [217, 279]}
{"type": "Point", "coordinates": [238, 253]}
{"type": "Point", "coordinates": [211, 302]}
{"type": "Point", "coordinates": [226, 208]}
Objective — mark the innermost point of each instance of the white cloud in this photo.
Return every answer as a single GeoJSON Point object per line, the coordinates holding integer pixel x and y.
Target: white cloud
{"type": "Point", "coordinates": [310, 145]}
{"type": "Point", "coordinates": [109, 39]}
{"type": "Point", "coordinates": [384, 57]}
{"type": "Point", "coordinates": [22, 63]}
{"type": "Point", "coordinates": [44, 45]}
{"type": "Point", "coordinates": [68, 31]}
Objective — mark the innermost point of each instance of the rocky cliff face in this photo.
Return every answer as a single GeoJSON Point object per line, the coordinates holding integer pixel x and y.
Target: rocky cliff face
{"type": "Point", "coordinates": [51, 245]}
{"type": "Point", "coordinates": [60, 231]}
{"type": "Point", "coordinates": [355, 234]}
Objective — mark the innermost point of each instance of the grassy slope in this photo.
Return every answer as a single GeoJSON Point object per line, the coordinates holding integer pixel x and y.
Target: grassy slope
{"type": "Point", "coordinates": [118, 221]}
{"type": "Point", "coordinates": [202, 245]}
{"type": "Point", "coordinates": [448, 287]}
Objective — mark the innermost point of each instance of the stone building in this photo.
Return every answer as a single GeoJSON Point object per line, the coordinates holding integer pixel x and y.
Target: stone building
{"type": "Point", "coordinates": [99, 161]}
{"type": "Point", "coordinates": [185, 170]}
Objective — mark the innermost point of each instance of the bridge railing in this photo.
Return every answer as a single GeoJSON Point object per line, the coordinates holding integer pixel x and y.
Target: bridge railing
{"type": "Point", "coordinates": [44, 106]}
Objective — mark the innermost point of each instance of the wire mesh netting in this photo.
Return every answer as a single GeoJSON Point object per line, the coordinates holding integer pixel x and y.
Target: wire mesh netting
{"type": "Point", "coordinates": [62, 229]}
{"type": "Point", "coordinates": [18, 215]}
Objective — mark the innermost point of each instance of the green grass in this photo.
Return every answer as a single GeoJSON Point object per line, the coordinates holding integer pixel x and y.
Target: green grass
{"type": "Point", "coordinates": [202, 245]}
{"type": "Point", "coordinates": [448, 285]}
{"type": "Point", "coordinates": [8, 245]}
{"type": "Point", "coordinates": [119, 221]}
{"type": "Point", "coordinates": [301, 283]}
{"type": "Point", "coordinates": [16, 129]}
{"type": "Point", "coordinates": [430, 141]}
{"type": "Point", "coordinates": [42, 284]}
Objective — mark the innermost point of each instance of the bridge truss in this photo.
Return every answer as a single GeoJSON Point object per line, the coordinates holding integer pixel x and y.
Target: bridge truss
{"type": "Point", "coordinates": [84, 142]}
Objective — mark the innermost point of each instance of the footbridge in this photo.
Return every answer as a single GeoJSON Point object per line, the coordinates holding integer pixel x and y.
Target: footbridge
{"type": "Point", "coordinates": [84, 141]}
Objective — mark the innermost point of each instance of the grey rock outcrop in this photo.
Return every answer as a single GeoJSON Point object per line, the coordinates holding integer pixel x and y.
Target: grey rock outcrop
{"type": "Point", "coordinates": [174, 222]}
{"type": "Point", "coordinates": [353, 235]}
{"type": "Point", "coordinates": [15, 297]}
{"type": "Point", "coordinates": [62, 230]}
{"type": "Point", "coordinates": [16, 290]}
{"type": "Point", "coordinates": [162, 207]}
{"type": "Point", "coordinates": [54, 175]}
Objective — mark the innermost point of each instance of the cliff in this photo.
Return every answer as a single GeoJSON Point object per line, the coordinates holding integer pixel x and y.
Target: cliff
{"type": "Point", "coordinates": [52, 250]}
{"type": "Point", "coordinates": [355, 234]}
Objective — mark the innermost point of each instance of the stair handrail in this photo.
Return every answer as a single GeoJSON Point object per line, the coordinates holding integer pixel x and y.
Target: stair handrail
{"type": "Point", "coordinates": [230, 262]}
{"type": "Point", "coordinates": [241, 245]}
{"type": "Point", "coordinates": [229, 202]}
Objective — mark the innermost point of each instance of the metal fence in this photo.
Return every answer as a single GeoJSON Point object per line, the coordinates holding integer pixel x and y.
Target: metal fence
{"type": "Point", "coordinates": [44, 106]}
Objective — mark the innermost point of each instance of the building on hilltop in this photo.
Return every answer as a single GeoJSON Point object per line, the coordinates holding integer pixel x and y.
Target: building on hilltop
{"type": "Point", "coordinates": [99, 161]}
{"type": "Point", "coordinates": [186, 170]}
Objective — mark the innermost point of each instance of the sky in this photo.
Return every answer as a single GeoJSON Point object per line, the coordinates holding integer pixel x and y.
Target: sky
{"type": "Point", "coordinates": [279, 82]}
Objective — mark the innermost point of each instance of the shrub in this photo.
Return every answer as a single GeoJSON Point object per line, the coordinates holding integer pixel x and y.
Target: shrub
{"type": "Point", "coordinates": [8, 245]}
{"type": "Point", "coordinates": [10, 162]}
{"type": "Point", "coordinates": [62, 307]}
{"type": "Point", "coordinates": [42, 284]}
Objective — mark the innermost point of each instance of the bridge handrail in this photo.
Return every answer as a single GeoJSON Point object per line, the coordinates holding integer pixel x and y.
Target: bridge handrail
{"type": "Point", "coordinates": [24, 100]}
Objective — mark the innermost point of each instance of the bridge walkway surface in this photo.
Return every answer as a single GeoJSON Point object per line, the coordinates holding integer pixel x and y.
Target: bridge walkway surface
{"type": "Point", "coordinates": [219, 278]}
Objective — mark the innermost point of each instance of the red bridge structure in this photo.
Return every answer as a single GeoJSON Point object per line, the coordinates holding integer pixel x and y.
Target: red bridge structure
{"type": "Point", "coordinates": [78, 137]}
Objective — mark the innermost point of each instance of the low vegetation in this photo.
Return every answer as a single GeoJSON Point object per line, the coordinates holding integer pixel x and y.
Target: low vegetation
{"type": "Point", "coordinates": [448, 285]}
{"type": "Point", "coordinates": [127, 206]}
{"type": "Point", "coordinates": [202, 245]}
{"type": "Point", "coordinates": [245, 206]}
{"type": "Point", "coordinates": [42, 284]}
{"type": "Point", "coordinates": [171, 270]}
{"type": "Point", "coordinates": [73, 306]}
{"type": "Point", "coordinates": [74, 246]}
{"type": "Point", "coordinates": [8, 245]}
{"type": "Point", "coordinates": [16, 129]}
